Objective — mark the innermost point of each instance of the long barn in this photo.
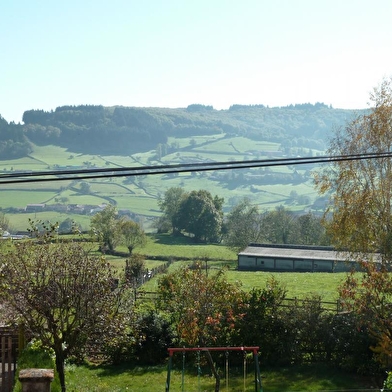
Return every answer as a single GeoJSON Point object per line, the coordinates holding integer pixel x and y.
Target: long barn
{"type": "Point", "coordinates": [294, 258]}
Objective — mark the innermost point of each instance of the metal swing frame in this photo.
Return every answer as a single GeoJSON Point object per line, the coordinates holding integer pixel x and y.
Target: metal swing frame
{"type": "Point", "coordinates": [254, 350]}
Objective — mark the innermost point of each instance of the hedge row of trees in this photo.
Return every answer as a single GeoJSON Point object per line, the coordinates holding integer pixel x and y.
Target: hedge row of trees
{"type": "Point", "coordinates": [207, 310]}
{"type": "Point", "coordinates": [200, 214]}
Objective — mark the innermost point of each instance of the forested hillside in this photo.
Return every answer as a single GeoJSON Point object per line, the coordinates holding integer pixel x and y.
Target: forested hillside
{"type": "Point", "coordinates": [127, 130]}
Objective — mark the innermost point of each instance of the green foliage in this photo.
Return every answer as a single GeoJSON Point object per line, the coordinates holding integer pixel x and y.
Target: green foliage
{"type": "Point", "coordinates": [153, 335]}
{"type": "Point", "coordinates": [243, 226]}
{"type": "Point", "coordinates": [63, 295]}
{"type": "Point", "coordinates": [369, 299]}
{"type": "Point", "coordinates": [105, 225]}
{"type": "Point", "coordinates": [170, 205]}
{"type": "Point", "coordinates": [69, 226]}
{"type": "Point", "coordinates": [349, 344]}
{"type": "Point", "coordinates": [123, 129]}
{"type": "Point", "coordinates": [361, 190]}
{"type": "Point", "coordinates": [13, 143]}
{"type": "Point", "coordinates": [201, 215]}
{"type": "Point", "coordinates": [202, 307]}
{"type": "Point", "coordinates": [132, 234]}
{"type": "Point", "coordinates": [388, 382]}
{"type": "Point", "coordinates": [135, 266]}
{"type": "Point", "coordinates": [263, 325]}
{"type": "Point", "coordinates": [4, 223]}
{"type": "Point", "coordinates": [39, 357]}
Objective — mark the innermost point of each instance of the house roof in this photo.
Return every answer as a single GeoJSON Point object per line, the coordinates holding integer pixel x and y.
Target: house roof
{"type": "Point", "coordinates": [294, 252]}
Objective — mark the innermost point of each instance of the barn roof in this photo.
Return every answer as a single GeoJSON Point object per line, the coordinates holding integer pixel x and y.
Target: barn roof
{"type": "Point", "coordinates": [294, 252]}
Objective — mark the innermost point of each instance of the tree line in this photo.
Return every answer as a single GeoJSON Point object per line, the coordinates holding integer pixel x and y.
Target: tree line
{"type": "Point", "coordinates": [199, 214]}
{"type": "Point", "coordinates": [127, 130]}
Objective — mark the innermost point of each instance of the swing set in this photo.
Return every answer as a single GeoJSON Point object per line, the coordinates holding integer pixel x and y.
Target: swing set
{"type": "Point", "coordinates": [198, 350]}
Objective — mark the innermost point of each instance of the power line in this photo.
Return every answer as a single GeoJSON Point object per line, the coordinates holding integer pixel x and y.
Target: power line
{"type": "Point", "coordinates": [93, 173]}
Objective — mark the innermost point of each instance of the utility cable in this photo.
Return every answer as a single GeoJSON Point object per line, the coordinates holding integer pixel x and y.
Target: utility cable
{"type": "Point", "coordinates": [93, 173]}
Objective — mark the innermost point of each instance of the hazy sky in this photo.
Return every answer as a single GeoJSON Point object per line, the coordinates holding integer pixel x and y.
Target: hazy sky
{"type": "Point", "coordinates": [172, 53]}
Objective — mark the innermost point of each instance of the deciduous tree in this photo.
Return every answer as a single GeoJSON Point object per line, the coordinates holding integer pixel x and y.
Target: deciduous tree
{"type": "Point", "coordinates": [63, 295]}
{"type": "Point", "coordinates": [201, 215]}
{"type": "Point", "coordinates": [132, 234]}
{"type": "Point", "coordinates": [4, 223]}
{"type": "Point", "coordinates": [203, 308]}
{"type": "Point", "coordinates": [243, 226]}
{"type": "Point", "coordinates": [360, 214]}
{"type": "Point", "coordinates": [361, 190]}
{"type": "Point", "coordinates": [170, 205]}
{"type": "Point", "coordinates": [105, 225]}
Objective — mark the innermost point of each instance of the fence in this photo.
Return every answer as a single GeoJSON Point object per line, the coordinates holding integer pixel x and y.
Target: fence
{"type": "Point", "coordinates": [287, 302]}
{"type": "Point", "coordinates": [334, 306]}
{"type": "Point", "coordinates": [8, 351]}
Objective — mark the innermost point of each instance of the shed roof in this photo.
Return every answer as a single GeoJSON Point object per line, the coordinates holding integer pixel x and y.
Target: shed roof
{"type": "Point", "coordinates": [294, 252]}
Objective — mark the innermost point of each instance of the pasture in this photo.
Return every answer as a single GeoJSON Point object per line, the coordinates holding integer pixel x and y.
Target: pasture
{"type": "Point", "coordinates": [140, 194]}
{"type": "Point", "coordinates": [298, 284]}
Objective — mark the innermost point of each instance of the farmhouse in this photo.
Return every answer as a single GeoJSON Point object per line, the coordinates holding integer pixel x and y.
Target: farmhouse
{"type": "Point", "coordinates": [35, 207]}
{"type": "Point", "coordinates": [294, 258]}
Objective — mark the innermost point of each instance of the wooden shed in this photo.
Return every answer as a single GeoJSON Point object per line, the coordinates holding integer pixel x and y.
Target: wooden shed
{"type": "Point", "coordinates": [294, 258]}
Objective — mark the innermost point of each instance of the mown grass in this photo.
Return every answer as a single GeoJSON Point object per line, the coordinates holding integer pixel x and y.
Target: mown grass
{"type": "Point", "coordinates": [124, 378]}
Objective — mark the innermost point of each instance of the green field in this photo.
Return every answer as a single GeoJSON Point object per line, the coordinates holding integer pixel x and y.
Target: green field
{"type": "Point", "coordinates": [140, 194]}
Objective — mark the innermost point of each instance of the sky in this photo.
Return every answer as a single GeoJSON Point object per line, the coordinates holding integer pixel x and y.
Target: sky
{"type": "Point", "coordinates": [173, 53]}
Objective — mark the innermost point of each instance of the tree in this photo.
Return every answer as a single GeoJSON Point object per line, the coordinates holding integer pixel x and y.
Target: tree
{"type": "Point", "coordinates": [201, 214]}
{"type": "Point", "coordinates": [359, 211]}
{"type": "Point", "coordinates": [278, 225]}
{"type": "Point", "coordinates": [170, 205]}
{"type": "Point", "coordinates": [135, 266]}
{"type": "Point", "coordinates": [105, 224]}
{"type": "Point", "coordinates": [85, 187]}
{"type": "Point", "coordinates": [68, 226]}
{"type": "Point", "coordinates": [361, 190]}
{"type": "Point", "coordinates": [310, 230]}
{"type": "Point", "coordinates": [243, 226]}
{"type": "Point", "coordinates": [4, 223]}
{"type": "Point", "coordinates": [203, 308]}
{"type": "Point", "coordinates": [368, 297]}
{"type": "Point", "coordinates": [62, 295]}
{"type": "Point", "coordinates": [132, 234]}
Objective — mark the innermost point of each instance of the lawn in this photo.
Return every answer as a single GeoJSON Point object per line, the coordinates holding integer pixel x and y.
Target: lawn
{"type": "Point", "coordinates": [125, 378]}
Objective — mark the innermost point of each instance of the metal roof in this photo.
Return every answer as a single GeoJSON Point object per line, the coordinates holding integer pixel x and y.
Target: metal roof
{"type": "Point", "coordinates": [294, 252]}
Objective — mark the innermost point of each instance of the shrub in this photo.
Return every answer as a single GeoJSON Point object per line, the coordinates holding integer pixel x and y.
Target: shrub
{"type": "Point", "coordinates": [154, 335]}
{"type": "Point", "coordinates": [38, 357]}
{"type": "Point", "coordinates": [388, 382]}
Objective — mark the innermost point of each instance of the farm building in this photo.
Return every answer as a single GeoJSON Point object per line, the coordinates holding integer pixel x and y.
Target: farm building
{"type": "Point", "coordinates": [294, 258]}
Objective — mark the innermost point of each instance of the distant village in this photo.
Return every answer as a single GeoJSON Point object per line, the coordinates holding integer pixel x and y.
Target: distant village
{"type": "Point", "coordinates": [82, 209]}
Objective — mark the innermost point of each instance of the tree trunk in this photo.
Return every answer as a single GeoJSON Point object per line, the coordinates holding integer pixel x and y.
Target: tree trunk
{"type": "Point", "coordinates": [214, 371]}
{"type": "Point", "coordinates": [60, 367]}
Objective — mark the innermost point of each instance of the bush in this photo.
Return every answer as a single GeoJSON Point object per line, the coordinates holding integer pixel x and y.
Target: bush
{"type": "Point", "coordinates": [388, 382]}
{"type": "Point", "coordinates": [37, 357]}
{"type": "Point", "coordinates": [153, 336]}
